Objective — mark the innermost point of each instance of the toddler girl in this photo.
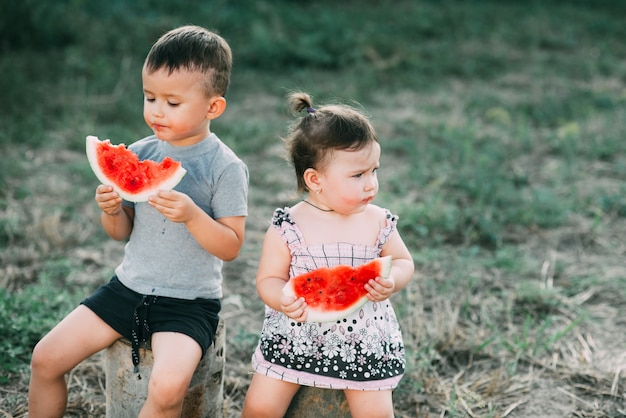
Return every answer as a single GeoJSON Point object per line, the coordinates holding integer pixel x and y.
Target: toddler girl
{"type": "Point", "coordinates": [335, 153]}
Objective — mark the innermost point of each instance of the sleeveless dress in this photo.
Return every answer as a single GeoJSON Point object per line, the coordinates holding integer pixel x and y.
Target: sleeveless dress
{"type": "Point", "coordinates": [363, 351]}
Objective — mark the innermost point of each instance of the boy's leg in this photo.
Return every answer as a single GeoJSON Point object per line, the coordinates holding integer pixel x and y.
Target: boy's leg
{"type": "Point", "coordinates": [370, 403]}
{"type": "Point", "coordinates": [79, 335]}
{"type": "Point", "coordinates": [268, 397]}
{"type": "Point", "coordinates": [176, 357]}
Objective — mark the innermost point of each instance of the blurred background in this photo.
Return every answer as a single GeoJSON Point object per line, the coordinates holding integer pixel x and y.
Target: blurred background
{"type": "Point", "coordinates": [502, 125]}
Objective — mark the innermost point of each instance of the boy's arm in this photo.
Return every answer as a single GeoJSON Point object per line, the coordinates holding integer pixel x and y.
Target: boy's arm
{"type": "Point", "coordinates": [119, 224]}
{"type": "Point", "coordinates": [116, 219]}
{"type": "Point", "coordinates": [221, 237]}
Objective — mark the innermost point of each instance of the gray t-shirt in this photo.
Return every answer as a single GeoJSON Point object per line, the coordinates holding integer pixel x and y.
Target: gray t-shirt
{"type": "Point", "coordinates": [161, 257]}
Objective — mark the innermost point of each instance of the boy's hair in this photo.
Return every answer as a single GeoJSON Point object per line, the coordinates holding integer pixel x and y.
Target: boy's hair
{"type": "Point", "coordinates": [313, 137]}
{"type": "Point", "coordinates": [193, 48]}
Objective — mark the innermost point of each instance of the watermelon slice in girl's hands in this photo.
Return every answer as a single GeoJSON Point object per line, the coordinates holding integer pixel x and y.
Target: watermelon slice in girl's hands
{"type": "Point", "coordinates": [132, 179]}
{"type": "Point", "coordinates": [332, 293]}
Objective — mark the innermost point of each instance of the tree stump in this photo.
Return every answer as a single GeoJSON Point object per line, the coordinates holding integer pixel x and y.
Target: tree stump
{"type": "Point", "coordinates": [310, 402]}
{"type": "Point", "coordinates": [126, 391]}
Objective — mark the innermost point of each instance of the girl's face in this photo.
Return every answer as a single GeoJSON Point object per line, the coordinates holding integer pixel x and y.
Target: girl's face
{"type": "Point", "coordinates": [175, 106]}
{"type": "Point", "coordinates": [349, 182]}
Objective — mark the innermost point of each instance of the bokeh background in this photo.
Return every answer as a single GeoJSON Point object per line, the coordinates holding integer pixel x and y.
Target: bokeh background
{"type": "Point", "coordinates": [502, 125]}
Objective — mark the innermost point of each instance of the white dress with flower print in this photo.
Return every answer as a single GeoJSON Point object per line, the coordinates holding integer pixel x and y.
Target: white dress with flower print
{"type": "Point", "coordinates": [363, 351]}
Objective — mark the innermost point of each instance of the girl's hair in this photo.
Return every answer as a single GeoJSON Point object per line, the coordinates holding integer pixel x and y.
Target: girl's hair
{"type": "Point", "coordinates": [314, 136]}
{"type": "Point", "coordinates": [193, 48]}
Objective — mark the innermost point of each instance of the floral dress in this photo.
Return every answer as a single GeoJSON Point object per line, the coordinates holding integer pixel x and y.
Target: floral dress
{"type": "Point", "coordinates": [363, 351]}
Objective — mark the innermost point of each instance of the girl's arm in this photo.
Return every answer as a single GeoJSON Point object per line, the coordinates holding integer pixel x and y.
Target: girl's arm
{"type": "Point", "coordinates": [273, 273]}
{"type": "Point", "coordinates": [402, 269]}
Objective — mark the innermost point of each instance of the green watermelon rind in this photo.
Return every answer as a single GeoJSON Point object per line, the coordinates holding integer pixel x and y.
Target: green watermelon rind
{"type": "Point", "coordinates": [318, 315]}
{"type": "Point", "coordinates": [92, 143]}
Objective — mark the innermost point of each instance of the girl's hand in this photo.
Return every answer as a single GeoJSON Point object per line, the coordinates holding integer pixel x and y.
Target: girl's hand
{"type": "Point", "coordinates": [175, 206]}
{"type": "Point", "coordinates": [108, 200]}
{"type": "Point", "coordinates": [380, 289]}
{"type": "Point", "coordinates": [293, 308]}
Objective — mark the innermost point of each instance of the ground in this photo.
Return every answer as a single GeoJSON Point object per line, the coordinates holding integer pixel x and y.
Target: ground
{"type": "Point", "coordinates": [585, 377]}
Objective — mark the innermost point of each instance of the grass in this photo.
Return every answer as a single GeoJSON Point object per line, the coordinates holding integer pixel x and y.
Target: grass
{"type": "Point", "coordinates": [31, 312]}
{"type": "Point", "coordinates": [502, 129]}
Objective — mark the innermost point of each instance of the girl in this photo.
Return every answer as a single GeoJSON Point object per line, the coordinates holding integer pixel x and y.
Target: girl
{"type": "Point", "coordinates": [335, 153]}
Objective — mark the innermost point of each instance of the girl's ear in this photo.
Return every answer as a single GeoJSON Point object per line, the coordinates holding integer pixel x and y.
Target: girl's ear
{"type": "Point", "coordinates": [312, 180]}
{"type": "Point", "coordinates": [217, 106]}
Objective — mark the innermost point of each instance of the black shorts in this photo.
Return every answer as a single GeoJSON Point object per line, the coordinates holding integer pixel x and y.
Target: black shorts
{"type": "Point", "coordinates": [136, 317]}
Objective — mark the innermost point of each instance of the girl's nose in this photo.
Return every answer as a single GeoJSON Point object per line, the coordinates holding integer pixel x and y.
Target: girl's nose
{"type": "Point", "coordinates": [371, 184]}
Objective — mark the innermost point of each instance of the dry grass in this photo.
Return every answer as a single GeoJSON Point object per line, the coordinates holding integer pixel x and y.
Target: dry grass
{"type": "Point", "coordinates": [580, 375]}
{"type": "Point", "coordinates": [533, 327]}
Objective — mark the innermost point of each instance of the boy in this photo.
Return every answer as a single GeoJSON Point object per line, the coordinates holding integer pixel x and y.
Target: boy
{"type": "Point", "coordinates": [167, 288]}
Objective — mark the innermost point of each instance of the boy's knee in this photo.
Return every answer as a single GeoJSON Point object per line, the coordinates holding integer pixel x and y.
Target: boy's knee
{"type": "Point", "coordinates": [167, 391]}
{"type": "Point", "coordinates": [40, 361]}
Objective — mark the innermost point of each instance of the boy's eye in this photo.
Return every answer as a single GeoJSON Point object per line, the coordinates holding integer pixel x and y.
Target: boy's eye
{"type": "Point", "coordinates": [149, 99]}
{"type": "Point", "coordinates": [173, 104]}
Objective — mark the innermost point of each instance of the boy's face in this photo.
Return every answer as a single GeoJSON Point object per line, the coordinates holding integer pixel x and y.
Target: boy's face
{"type": "Point", "coordinates": [175, 106]}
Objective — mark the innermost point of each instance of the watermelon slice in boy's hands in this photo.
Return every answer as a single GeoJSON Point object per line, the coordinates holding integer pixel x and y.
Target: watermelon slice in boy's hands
{"type": "Point", "coordinates": [132, 179]}
{"type": "Point", "coordinates": [332, 293]}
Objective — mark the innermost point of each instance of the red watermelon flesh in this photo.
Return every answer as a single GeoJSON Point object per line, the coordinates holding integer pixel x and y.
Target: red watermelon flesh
{"type": "Point", "coordinates": [133, 179]}
{"type": "Point", "coordinates": [332, 293]}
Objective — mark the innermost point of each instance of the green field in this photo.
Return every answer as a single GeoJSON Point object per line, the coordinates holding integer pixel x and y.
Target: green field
{"type": "Point", "coordinates": [502, 125]}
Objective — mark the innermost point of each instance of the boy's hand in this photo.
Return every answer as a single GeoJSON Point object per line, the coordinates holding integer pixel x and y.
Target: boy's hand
{"type": "Point", "coordinates": [380, 289]}
{"type": "Point", "coordinates": [293, 308]}
{"type": "Point", "coordinates": [175, 206]}
{"type": "Point", "coordinates": [108, 200]}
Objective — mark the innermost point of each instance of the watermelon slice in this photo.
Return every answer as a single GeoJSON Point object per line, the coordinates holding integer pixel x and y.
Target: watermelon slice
{"type": "Point", "coordinates": [332, 293]}
{"type": "Point", "coordinates": [132, 179]}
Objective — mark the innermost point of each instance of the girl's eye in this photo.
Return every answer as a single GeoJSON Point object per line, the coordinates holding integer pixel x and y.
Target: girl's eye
{"type": "Point", "coordinates": [173, 104]}
{"type": "Point", "coordinates": [149, 99]}
{"type": "Point", "coordinates": [373, 172]}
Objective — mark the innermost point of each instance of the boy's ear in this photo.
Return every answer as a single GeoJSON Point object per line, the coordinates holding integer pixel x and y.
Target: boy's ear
{"type": "Point", "coordinates": [312, 179]}
{"type": "Point", "coordinates": [217, 106]}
